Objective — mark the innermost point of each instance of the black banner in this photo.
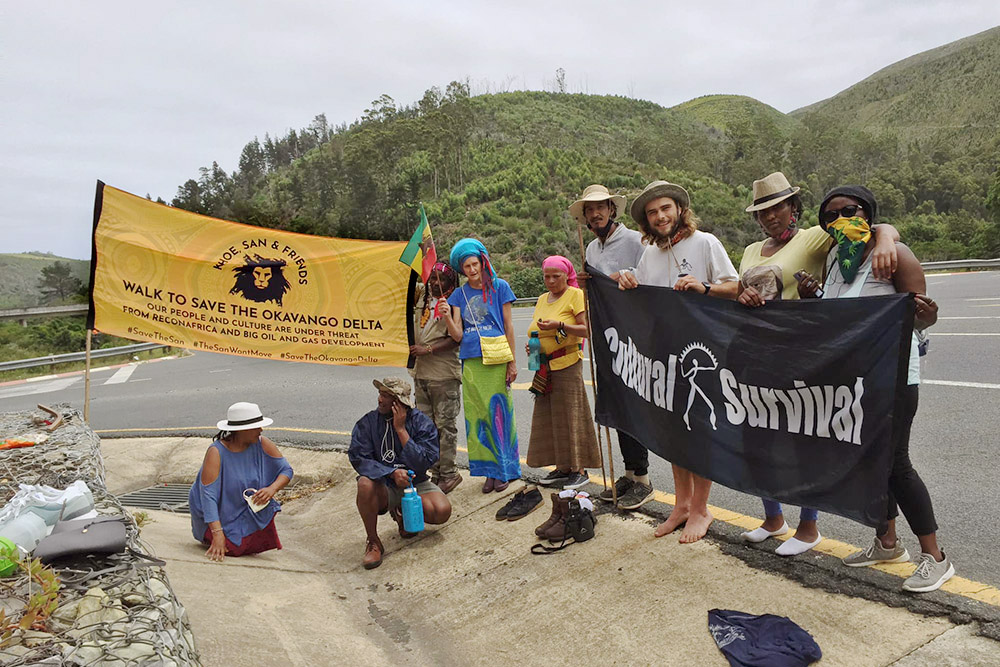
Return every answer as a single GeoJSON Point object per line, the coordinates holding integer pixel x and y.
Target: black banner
{"type": "Point", "coordinates": [792, 401]}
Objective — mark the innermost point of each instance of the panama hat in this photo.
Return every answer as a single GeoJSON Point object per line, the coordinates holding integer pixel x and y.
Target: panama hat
{"type": "Point", "coordinates": [396, 386]}
{"type": "Point", "coordinates": [769, 191]}
{"type": "Point", "coordinates": [595, 193]}
{"type": "Point", "coordinates": [243, 417]}
{"type": "Point", "coordinates": [655, 190]}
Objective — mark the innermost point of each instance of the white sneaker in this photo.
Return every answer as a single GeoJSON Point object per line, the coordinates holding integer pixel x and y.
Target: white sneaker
{"type": "Point", "coordinates": [795, 546]}
{"type": "Point", "coordinates": [930, 574]}
{"type": "Point", "coordinates": [761, 533]}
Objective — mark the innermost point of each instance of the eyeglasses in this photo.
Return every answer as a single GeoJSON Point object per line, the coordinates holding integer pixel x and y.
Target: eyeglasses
{"type": "Point", "coordinates": [826, 217]}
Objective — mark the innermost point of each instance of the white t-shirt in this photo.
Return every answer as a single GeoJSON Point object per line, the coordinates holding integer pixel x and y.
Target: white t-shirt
{"type": "Point", "coordinates": [700, 255]}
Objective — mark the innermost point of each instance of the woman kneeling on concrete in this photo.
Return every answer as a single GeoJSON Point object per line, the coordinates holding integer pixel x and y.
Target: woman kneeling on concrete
{"type": "Point", "coordinates": [232, 500]}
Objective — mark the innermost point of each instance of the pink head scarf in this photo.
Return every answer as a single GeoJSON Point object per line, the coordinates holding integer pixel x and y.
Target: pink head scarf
{"type": "Point", "coordinates": [564, 265]}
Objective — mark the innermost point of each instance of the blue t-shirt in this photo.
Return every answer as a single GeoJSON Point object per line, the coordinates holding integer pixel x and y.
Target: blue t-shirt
{"type": "Point", "coordinates": [222, 500]}
{"type": "Point", "coordinates": [487, 317]}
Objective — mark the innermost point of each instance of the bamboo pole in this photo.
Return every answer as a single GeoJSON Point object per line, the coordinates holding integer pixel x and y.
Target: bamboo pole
{"type": "Point", "coordinates": [593, 376]}
{"type": "Point", "coordinates": [86, 380]}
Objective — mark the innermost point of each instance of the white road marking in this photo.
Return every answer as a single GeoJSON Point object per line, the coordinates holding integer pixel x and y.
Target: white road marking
{"type": "Point", "coordinates": [986, 305]}
{"type": "Point", "coordinates": [936, 334]}
{"type": "Point", "coordinates": [39, 387]}
{"type": "Point", "coordinates": [984, 298]}
{"type": "Point", "coordinates": [122, 375]}
{"type": "Point", "coordinates": [226, 370]}
{"type": "Point", "coordinates": [971, 317]}
{"type": "Point", "coordinates": [949, 383]}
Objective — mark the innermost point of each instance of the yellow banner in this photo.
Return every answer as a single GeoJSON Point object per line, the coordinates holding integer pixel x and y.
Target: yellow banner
{"type": "Point", "coordinates": [168, 276]}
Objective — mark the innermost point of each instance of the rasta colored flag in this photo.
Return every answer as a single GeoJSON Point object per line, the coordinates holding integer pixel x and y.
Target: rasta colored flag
{"type": "Point", "coordinates": [166, 275]}
{"type": "Point", "coordinates": [420, 254]}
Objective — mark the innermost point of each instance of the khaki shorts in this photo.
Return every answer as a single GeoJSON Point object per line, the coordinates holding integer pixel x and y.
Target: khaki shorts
{"type": "Point", "coordinates": [396, 493]}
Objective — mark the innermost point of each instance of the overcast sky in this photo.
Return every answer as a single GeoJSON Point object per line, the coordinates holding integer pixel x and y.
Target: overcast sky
{"type": "Point", "coordinates": [142, 94]}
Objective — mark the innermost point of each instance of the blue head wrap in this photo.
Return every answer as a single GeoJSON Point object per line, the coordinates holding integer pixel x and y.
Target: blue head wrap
{"type": "Point", "coordinates": [465, 249]}
{"type": "Point", "coordinates": [470, 247]}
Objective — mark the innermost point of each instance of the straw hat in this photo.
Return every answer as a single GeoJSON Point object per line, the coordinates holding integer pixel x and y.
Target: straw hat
{"type": "Point", "coordinates": [769, 191]}
{"type": "Point", "coordinates": [243, 417]}
{"type": "Point", "coordinates": [396, 386]}
{"type": "Point", "coordinates": [595, 193]}
{"type": "Point", "coordinates": [655, 190]}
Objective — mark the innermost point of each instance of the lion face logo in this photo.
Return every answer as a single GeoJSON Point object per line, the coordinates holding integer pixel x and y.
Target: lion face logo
{"type": "Point", "coordinates": [261, 279]}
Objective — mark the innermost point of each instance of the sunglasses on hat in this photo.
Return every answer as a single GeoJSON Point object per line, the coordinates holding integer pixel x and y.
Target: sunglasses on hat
{"type": "Point", "coordinates": [826, 217]}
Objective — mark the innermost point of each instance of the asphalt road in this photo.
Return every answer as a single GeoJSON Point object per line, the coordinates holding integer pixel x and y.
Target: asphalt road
{"type": "Point", "coordinates": [953, 445]}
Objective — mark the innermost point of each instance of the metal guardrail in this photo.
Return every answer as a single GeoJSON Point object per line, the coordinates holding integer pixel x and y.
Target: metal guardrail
{"type": "Point", "coordinates": [22, 313]}
{"type": "Point", "coordinates": [962, 264]}
{"type": "Point", "coordinates": [53, 359]}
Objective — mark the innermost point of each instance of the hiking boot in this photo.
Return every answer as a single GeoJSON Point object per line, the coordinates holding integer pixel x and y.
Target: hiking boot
{"type": "Point", "coordinates": [373, 554]}
{"type": "Point", "coordinates": [501, 514]}
{"type": "Point", "coordinates": [555, 478]}
{"type": "Point", "coordinates": [523, 504]}
{"type": "Point", "coordinates": [930, 574]}
{"type": "Point", "coordinates": [876, 553]}
{"type": "Point", "coordinates": [576, 480]}
{"type": "Point", "coordinates": [622, 485]}
{"type": "Point", "coordinates": [557, 531]}
{"type": "Point", "coordinates": [636, 497]}
{"type": "Point", "coordinates": [559, 506]}
{"type": "Point", "coordinates": [448, 484]}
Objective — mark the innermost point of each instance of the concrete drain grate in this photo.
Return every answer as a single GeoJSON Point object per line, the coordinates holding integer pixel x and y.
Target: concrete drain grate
{"type": "Point", "coordinates": [169, 497]}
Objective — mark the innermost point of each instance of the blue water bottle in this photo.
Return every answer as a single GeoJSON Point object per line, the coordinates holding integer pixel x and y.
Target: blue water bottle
{"type": "Point", "coordinates": [534, 352]}
{"type": "Point", "coordinates": [413, 508]}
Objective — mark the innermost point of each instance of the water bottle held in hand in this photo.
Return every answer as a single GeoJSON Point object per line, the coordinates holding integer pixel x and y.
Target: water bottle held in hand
{"type": "Point", "coordinates": [534, 352]}
{"type": "Point", "coordinates": [413, 508]}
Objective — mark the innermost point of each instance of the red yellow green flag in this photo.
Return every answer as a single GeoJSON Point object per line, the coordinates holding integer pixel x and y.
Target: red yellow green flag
{"type": "Point", "coordinates": [420, 254]}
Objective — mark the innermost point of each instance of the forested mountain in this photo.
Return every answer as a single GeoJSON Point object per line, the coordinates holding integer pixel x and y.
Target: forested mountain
{"type": "Point", "coordinates": [24, 284]}
{"type": "Point", "coordinates": [947, 94]}
{"type": "Point", "coordinates": [504, 167]}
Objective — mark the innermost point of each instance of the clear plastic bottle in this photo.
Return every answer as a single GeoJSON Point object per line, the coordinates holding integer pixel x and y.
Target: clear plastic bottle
{"type": "Point", "coordinates": [534, 352]}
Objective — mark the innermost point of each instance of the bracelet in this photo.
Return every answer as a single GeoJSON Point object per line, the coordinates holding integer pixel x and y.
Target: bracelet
{"type": "Point", "coordinates": [216, 530]}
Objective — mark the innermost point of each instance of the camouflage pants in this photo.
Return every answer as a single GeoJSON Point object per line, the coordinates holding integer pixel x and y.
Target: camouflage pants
{"type": "Point", "coordinates": [439, 400]}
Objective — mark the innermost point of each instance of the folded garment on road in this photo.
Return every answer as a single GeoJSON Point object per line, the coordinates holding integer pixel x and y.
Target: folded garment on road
{"type": "Point", "coordinates": [761, 641]}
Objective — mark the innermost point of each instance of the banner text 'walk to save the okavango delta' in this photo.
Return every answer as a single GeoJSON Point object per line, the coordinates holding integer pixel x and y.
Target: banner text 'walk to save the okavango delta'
{"type": "Point", "coordinates": [169, 276]}
{"type": "Point", "coordinates": [793, 401]}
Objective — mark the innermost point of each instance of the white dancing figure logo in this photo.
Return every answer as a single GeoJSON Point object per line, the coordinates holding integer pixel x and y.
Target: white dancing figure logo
{"type": "Point", "coordinates": [695, 350]}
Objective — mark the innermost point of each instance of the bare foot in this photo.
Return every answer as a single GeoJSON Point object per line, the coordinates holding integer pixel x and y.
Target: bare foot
{"type": "Point", "coordinates": [678, 516]}
{"type": "Point", "coordinates": [696, 527]}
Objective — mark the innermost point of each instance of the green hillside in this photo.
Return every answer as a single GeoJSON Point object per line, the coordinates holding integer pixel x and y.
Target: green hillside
{"type": "Point", "coordinates": [948, 93]}
{"type": "Point", "coordinates": [22, 273]}
{"type": "Point", "coordinates": [723, 112]}
{"type": "Point", "coordinates": [504, 167]}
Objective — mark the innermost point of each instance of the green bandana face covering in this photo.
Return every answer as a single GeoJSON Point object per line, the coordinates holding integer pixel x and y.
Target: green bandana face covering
{"type": "Point", "coordinates": [852, 236]}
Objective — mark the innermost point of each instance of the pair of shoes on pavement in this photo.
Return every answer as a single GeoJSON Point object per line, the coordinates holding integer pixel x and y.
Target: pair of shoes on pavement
{"type": "Point", "coordinates": [631, 494]}
{"type": "Point", "coordinates": [564, 479]}
{"type": "Point", "coordinates": [448, 484]}
{"type": "Point", "coordinates": [929, 575]}
{"type": "Point", "coordinates": [520, 505]}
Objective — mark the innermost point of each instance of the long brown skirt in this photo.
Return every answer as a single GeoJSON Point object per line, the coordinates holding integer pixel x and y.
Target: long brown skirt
{"type": "Point", "coordinates": [562, 425]}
